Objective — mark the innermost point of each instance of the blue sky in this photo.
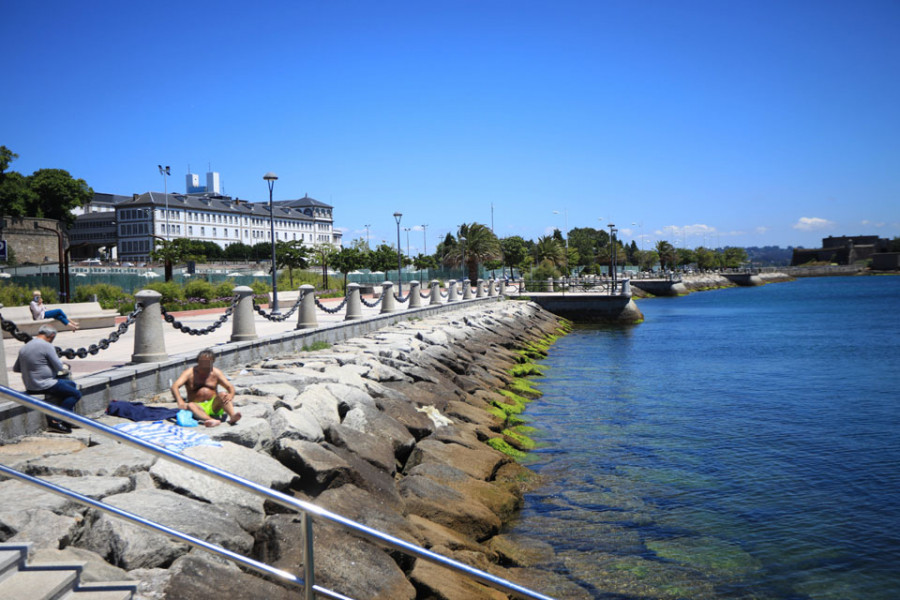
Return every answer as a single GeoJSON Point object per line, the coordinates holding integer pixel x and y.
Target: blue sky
{"type": "Point", "coordinates": [722, 122]}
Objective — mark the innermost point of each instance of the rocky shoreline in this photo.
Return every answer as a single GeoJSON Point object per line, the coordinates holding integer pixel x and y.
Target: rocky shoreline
{"type": "Point", "coordinates": [410, 430]}
{"type": "Point", "coordinates": [700, 282]}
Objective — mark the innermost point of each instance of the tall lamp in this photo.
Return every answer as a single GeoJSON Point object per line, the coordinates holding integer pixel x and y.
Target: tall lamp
{"type": "Point", "coordinates": [165, 172]}
{"type": "Point", "coordinates": [397, 217]}
{"type": "Point", "coordinates": [270, 178]}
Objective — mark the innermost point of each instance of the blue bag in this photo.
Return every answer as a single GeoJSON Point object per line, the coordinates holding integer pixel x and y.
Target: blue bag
{"type": "Point", "coordinates": [185, 418]}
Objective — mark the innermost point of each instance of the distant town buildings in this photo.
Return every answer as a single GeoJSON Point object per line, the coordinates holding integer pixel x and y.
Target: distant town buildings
{"type": "Point", "coordinates": [124, 228]}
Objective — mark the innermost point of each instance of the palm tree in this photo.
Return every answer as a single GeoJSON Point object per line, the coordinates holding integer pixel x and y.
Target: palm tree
{"type": "Point", "coordinates": [549, 248]}
{"type": "Point", "coordinates": [666, 253]}
{"type": "Point", "coordinates": [480, 245]}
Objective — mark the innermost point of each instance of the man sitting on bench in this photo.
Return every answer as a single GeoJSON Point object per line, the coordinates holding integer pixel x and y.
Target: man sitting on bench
{"type": "Point", "coordinates": [40, 368]}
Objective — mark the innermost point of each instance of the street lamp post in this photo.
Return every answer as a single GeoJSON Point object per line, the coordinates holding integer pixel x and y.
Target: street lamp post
{"type": "Point", "coordinates": [397, 217]}
{"type": "Point", "coordinates": [270, 178]}
{"type": "Point", "coordinates": [424, 239]}
{"type": "Point", "coordinates": [462, 243]}
{"type": "Point", "coordinates": [367, 237]}
{"type": "Point", "coordinates": [406, 229]}
{"type": "Point", "coordinates": [612, 244]}
{"type": "Point", "coordinates": [165, 172]}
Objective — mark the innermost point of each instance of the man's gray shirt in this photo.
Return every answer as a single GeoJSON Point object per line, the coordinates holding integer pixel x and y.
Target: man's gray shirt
{"type": "Point", "coordinates": [38, 364]}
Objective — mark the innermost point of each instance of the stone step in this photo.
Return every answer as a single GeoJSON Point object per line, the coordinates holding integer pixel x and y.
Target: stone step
{"type": "Point", "coordinates": [37, 585]}
{"type": "Point", "coordinates": [52, 581]}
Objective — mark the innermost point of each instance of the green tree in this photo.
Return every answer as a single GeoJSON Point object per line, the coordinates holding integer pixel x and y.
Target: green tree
{"type": "Point", "coordinates": [58, 193]}
{"type": "Point", "coordinates": [588, 241]}
{"type": "Point", "coordinates": [667, 255]}
{"type": "Point", "coordinates": [423, 262]}
{"type": "Point", "coordinates": [383, 258]}
{"type": "Point", "coordinates": [706, 258]}
{"type": "Point", "coordinates": [321, 255]}
{"type": "Point", "coordinates": [515, 251]}
{"type": "Point", "coordinates": [646, 259]}
{"type": "Point", "coordinates": [549, 248]}
{"type": "Point", "coordinates": [734, 257]}
{"type": "Point", "coordinates": [238, 251]}
{"type": "Point", "coordinates": [6, 157]}
{"type": "Point", "coordinates": [480, 245]}
{"type": "Point", "coordinates": [171, 252]}
{"type": "Point", "coordinates": [348, 260]}
{"type": "Point", "coordinates": [291, 255]}
{"type": "Point", "coordinates": [686, 256]}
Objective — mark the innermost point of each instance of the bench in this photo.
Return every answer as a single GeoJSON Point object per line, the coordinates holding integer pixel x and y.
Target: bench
{"type": "Point", "coordinates": [88, 315]}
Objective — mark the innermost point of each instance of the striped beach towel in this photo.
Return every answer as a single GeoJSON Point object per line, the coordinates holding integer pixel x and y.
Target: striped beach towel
{"type": "Point", "coordinates": [169, 436]}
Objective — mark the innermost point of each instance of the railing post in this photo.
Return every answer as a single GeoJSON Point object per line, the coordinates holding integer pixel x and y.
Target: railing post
{"type": "Point", "coordinates": [307, 318]}
{"type": "Point", "coordinates": [479, 289]}
{"type": "Point", "coordinates": [354, 306]}
{"type": "Point", "coordinates": [388, 304]}
{"type": "Point", "coordinates": [4, 379]}
{"type": "Point", "coordinates": [149, 341]}
{"type": "Point", "coordinates": [451, 292]}
{"type": "Point", "coordinates": [243, 325]}
{"type": "Point", "coordinates": [435, 292]}
{"type": "Point", "coordinates": [309, 565]}
{"type": "Point", "coordinates": [492, 288]}
{"type": "Point", "coordinates": [415, 300]}
{"type": "Point", "coordinates": [467, 288]}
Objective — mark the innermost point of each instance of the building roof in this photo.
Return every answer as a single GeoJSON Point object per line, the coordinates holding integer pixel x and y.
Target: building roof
{"type": "Point", "coordinates": [224, 204]}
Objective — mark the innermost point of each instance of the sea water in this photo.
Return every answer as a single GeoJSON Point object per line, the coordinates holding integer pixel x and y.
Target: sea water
{"type": "Point", "coordinates": [740, 443]}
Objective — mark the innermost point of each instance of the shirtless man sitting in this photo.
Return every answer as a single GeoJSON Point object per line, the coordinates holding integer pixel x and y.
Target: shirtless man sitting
{"type": "Point", "coordinates": [203, 398]}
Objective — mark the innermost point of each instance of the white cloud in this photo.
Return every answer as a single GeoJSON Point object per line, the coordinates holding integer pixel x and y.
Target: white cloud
{"type": "Point", "coordinates": [865, 221]}
{"type": "Point", "coordinates": [761, 230]}
{"type": "Point", "coordinates": [813, 224]}
{"type": "Point", "coordinates": [627, 232]}
{"type": "Point", "coordinates": [687, 230]}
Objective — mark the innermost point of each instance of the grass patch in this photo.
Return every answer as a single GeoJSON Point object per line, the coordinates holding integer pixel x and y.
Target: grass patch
{"type": "Point", "coordinates": [503, 446]}
{"type": "Point", "coordinates": [523, 387]}
{"type": "Point", "coordinates": [528, 369]}
{"type": "Point", "coordinates": [517, 440]}
{"type": "Point", "coordinates": [315, 346]}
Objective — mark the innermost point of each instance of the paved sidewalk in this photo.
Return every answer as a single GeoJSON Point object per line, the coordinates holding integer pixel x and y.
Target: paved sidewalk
{"type": "Point", "coordinates": [119, 353]}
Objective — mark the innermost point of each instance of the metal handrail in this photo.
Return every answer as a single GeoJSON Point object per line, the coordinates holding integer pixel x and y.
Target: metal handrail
{"type": "Point", "coordinates": [307, 510]}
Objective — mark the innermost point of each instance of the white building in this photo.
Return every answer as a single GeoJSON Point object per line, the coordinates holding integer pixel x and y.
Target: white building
{"type": "Point", "coordinates": [206, 215]}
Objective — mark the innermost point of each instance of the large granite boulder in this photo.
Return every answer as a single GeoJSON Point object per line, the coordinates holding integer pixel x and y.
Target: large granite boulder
{"type": "Point", "coordinates": [480, 464]}
{"type": "Point", "coordinates": [444, 505]}
{"type": "Point", "coordinates": [129, 546]}
{"type": "Point", "coordinates": [346, 564]}
{"type": "Point", "coordinates": [109, 460]}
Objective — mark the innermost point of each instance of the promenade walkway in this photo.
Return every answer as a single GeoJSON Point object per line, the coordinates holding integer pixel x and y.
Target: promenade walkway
{"type": "Point", "coordinates": [177, 343]}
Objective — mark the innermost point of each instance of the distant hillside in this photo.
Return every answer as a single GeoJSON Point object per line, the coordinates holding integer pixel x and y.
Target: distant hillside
{"type": "Point", "coordinates": [770, 256]}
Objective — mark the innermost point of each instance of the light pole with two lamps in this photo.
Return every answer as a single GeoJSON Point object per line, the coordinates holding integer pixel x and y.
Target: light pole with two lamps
{"type": "Point", "coordinates": [165, 172]}
{"type": "Point", "coordinates": [270, 178]}
{"type": "Point", "coordinates": [397, 216]}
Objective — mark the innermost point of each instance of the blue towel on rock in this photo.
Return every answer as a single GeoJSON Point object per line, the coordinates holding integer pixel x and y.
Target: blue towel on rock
{"type": "Point", "coordinates": [169, 436]}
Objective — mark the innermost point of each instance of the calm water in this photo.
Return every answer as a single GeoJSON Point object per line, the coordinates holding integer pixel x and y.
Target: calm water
{"type": "Point", "coordinates": [740, 443]}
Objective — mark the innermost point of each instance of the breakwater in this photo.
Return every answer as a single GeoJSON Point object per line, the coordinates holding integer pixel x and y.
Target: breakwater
{"type": "Point", "coordinates": [697, 282]}
{"type": "Point", "coordinates": [398, 429]}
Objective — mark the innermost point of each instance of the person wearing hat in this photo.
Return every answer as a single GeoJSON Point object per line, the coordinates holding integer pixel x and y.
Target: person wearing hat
{"type": "Point", "coordinates": [39, 311]}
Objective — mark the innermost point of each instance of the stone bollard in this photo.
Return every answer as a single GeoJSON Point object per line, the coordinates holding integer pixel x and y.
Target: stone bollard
{"type": "Point", "coordinates": [451, 293]}
{"type": "Point", "coordinates": [354, 306]}
{"type": "Point", "coordinates": [492, 288]}
{"type": "Point", "coordinates": [467, 289]}
{"type": "Point", "coordinates": [243, 324]}
{"type": "Point", "coordinates": [149, 342]}
{"type": "Point", "coordinates": [626, 287]}
{"type": "Point", "coordinates": [388, 302]}
{"type": "Point", "coordinates": [548, 287]}
{"type": "Point", "coordinates": [435, 292]}
{"type": "Point", "coordinates": [4, 379]}
{"type": "Point", "coordinates": [415, 300]}
{"type": "Point", "coordinates": [307, 318]}
{"type": "Point", "coordinates": [479, 289]}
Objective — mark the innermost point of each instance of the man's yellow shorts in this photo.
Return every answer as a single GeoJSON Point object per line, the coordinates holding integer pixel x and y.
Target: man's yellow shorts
{"type": "Point", "coordinates": [207, 407]}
